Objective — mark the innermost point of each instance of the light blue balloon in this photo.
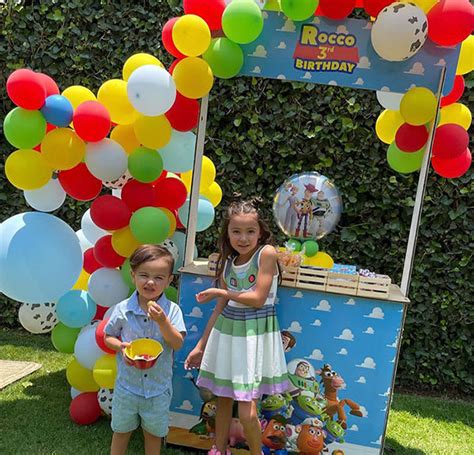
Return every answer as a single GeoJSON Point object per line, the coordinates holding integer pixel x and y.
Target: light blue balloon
{"type": "Point", "coordinates": [76, 308]}
{"type": "Point", "coordinates": [40, 257]}
{"type": "Point", "coordinates": [178, 154]}
{"type": "Point", "coordinates": [57, 110]}
{"type": "Point", "coordinates": [205, 216]}
{"type": "Point", "coordinates": [179, 239]}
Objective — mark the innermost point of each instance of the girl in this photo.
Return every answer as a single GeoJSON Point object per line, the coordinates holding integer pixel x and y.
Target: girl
{"type": "Point", "coordinates": [240, 354]}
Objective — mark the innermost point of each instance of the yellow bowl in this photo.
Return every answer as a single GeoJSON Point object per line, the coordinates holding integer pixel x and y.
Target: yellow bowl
{"type": "Point", "coordinates": [144, 352]}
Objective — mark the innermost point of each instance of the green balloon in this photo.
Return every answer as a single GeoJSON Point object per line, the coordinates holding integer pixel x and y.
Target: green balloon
{"type": "Point", "coordinates": [225, 58]}
{"type": "Point", "coordinates": [126, 275]}
{"type": "Point", "coordinates": [24, 129]}
{"type": "Point", "coordinates": [294, 244]}
{"type": "Point", "coordinates": [150, 225]}
{"type": "Point", "coordinates": [404, 162]}
{"type": "Point", "coordinates": [298, 10]}
{"type": "Point", "coordinates": [242, 21]}
{"type": "Point", "coordinates": [311, 248]}
{"type": "Point", "coordinates": [64, 338]}
{"type": "Point", "coordinates": [171, 294]}
{"type": "Point", "coordinates": [145, 165]}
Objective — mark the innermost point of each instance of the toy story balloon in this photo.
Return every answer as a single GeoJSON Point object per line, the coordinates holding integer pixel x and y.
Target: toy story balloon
{"type": "Point", "coordinates": [307, 206]}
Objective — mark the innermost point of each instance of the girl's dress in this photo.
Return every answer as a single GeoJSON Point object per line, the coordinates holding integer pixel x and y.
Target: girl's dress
{"type": "Point", "coordinates": [244, 357]}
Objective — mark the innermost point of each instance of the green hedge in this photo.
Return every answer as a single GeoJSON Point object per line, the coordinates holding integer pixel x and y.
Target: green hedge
{"type": "Point", "coordinates": [261, 131]}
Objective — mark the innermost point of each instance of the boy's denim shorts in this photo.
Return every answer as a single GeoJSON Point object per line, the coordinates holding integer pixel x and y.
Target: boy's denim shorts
{"type": "Point", "coordinates": [129, 410]}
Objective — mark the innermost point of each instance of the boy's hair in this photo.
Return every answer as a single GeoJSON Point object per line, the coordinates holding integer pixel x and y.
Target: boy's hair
{"type": "Point", "coordinates": [240, 207]}
{"type": "Point", "coordinates": [147, 253]}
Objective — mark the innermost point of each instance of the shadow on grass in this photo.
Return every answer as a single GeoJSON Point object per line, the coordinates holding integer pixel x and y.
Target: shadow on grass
{"type": "Point", "coordinates": [392, 447]}
{"type": "Point", "coordinates": [20, 338]}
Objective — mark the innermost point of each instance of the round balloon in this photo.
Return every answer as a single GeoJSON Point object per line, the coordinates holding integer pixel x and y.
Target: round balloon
{"type": "Point", "coordinates": [191, 35]}
{"type": "Point", "coordinates": [63, 149]}
{"type": "Point", "coordinates": [454, 167]}
{"type": "Point", "coordinates": [404, 162]}
{"type": "Point", "coordinates": [84, 409]}
{"type": "Point", "coordinates": [106, 159]}
{"type": "Point", "coordinates": [110, 212]}
{"type": "Point", "coordinates": [389, 100]}
{"type": "Point", "coordinates": [466, 63]}
{"type": "Point", "coordinates": [205, 214]}
{"type": "Point", "coordinates": [24, 129]}
{"type": "Point", "coordinates": [145, 165]}
{"type": "Point", "coordinates": [86, 350]}
{"type": "Point", "coordinates": [152, 132]}
{"type": "Point", "coordinates": [26, 89]}
{"type": "Point", "coordinates": [104, 397]}
{"type": "Point", "coordinates": [80, 377]}
{"type": "Point", "coordinates": [27, 169]}
{"type": "Point", "coordinates": [90, 230]}
{"type": "Point", "coordinates": [184, 114]}
{"type": "Point", "coordinates": [300, 11]}
{"type": "Point", "coordinates": [225, 58]}
{"type": "Point", "coordinates": [105, 254]}
{"type": "Point", "coordinates": [125, 136]}
{"type": "Point", "coordinates": [105, 371]}
{"type": "Point", "coordinates": [193, 77]}
{"type": "Point", "coordinates": [64, 338]}
{"type": "Point", "coordinates": [307, 206]}
{"type": "Point", "coordinates": [76, 308]}
{"type": "Point", "coordinates": [242, 21]}
{"type": "Point", "coordinates": [57, 110]}
{"type": "Point", "coordinates": [107, 287]}
{"type": "Point", "coordinates": [418, 106]}
{"type": "Point", "coordinates": [178, 154]}
{"type": "Point", "coordinates": [136, 61]}
{"type": "Point", "coordinates": [79, 183]}
{"type": "Point", "coordinates": [77, 94]}
{"type": "Point", "coordinates": [113, 95]}
{"type": "Point", "coordinates": [43, 248]}
{"type": "Point", "coordinates": [91, 121]}
{"type": "Point", "coordinates": [211, 11]}
{"type": "Point", "coordinates": [38, 317]}
{"type": "Point", "coordinates": [150, 225]}
{"type": "Point", "coordinates": [399, 31]}
{"type": "Point", "coordinates": [137, 195]}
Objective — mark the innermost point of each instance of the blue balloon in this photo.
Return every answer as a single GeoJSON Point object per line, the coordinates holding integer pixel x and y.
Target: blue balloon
{"type": "Point", "coordinates": [205, 215]}
{"type": "Point", "coordinates": [40, 257]}
{"type": "Point", "coordinates": [76, 308]}
{"type": "Point", "coordinates": [178, 154]}
{"type": "Point", "coordinates": [57, 110]}
{"type": "Point", "coordinates": [179, 239]}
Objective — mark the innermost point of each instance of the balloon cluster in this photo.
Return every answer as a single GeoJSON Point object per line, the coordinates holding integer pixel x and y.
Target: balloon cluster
{"type": "Point", "coordinates": [405, 124]}
{"type": "Point", "coordinates": [134, 136]}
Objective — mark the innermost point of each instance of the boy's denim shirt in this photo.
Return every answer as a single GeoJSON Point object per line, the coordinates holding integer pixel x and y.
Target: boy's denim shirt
{"type": "Point", "coordinates": [129, 322]}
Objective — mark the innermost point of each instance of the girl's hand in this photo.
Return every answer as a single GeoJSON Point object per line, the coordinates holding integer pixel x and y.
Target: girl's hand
{"type": "Point", "coordinates": [156, 313]}
{"type": "Point", "coordinates": [194, 358]}
{"type": "Point", "coordinates": [123, 346]}
{"type": "Point", "coordinates": [208, 295]}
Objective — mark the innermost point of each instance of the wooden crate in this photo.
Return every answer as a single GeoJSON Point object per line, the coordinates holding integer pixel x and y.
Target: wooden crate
{"type": "Point", "coordinates": [289, 276]}
{"type": "Point", "coordinates": [312, 278]}
{"type": "Point", "coordinates": [342, 283]}
{"type": "Point", "coordinates": [378, 287]}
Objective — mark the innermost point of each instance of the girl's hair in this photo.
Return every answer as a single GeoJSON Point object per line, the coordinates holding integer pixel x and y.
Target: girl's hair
{"type": "Point", "coordinates": [147, 253]}
{"type": "Point", "coordinates": [240, 207]}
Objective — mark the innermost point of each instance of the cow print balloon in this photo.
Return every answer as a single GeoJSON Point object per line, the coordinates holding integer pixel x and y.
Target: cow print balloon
{"type": "Point", "coordinates": [120, 182]}
{"type": "Point", "coordinates": [38, 317]}
{"type": "Point", "coordinates": [104, 397]}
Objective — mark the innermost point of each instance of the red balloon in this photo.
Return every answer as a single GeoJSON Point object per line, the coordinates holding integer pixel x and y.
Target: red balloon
{"type": "Point", "coordinates": [49, 84]}
{"type": "Point", "coordinates": [100, 336]}
{"type": "Point", "coordinates": [171, 193]}
{"type": "Point", "coordinates": [184, 114]}
{"type": "Point", "coordinates": [373, 7]}
{"type": "Point", "coordinates": [105, 253]}
{"type": "Point", "coordinates": [136, 195]}
{"type": "Point", "coordinates": [110, 213]}
{"type": "Point", "coordinates": [454, 168]}
{"type": "Point", "coordinates": [26, 89]}
{"type": "Point", "coordinates": [336, 9]}
{"type": "Point", "coordinates": [359, 4]}
{"type": "Point", "coordinates": [179, 225]}
{"type": "Point", "coordinates": [99, 312]}
{"type": "Point", "coordinates": [162, 176]}
{"type": "Point", "coordinates": [167, 38]}
{"type": "Point", "coordinates": [49, 128]}
{"type": "Point", "coordinates": [85, 409]}
{"type": "Point", "coordinates": [410, 138]}
{"type": "Point", "coordinates": [450, 141]}
{"type": "Point", "coordinates": [210, 10]}
{"type": "Point", "coordinates": [455, 93]}
{"type": "Point", "coordinates": [91, 121]}
{"type": "Point", "coordinates": [450, 22]}
{"type": "Point", "coordinates": [90, 263]}
{"type": "Point", "coordinates": [79, 183]}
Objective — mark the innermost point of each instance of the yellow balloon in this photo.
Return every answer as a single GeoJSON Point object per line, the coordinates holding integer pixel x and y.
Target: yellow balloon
{"type": "Point", "coordinates": [466, 56]}
{"type": "Point", "coordinates": [387, 125]}
{"type": "Point", "coordinates": [113, 95]}
{"type": "Point", "coordinates": [191, 35]}
{"type": "Point", "coordinates": [82, 282]}
{"type": "Point", "coordinates": [137, 60]}
{"type": "Point", "coordinates": [320, 259]}
{"type": "Point", "coordinates": [272, 5]}
{"type": "Point", "coordinates": [77, 94]}
{"type": "Point", "coordinates": [152, 132]}
{"type": "Point", "coordinates": [208, 174]}
{"type": "Point", "coordinates": [80, 377]}
{"type": "Point", "coordinates": [27, 169]}
{"type": "Point", "coordinates": [172, 219]}
{"type": "Point", "coordinates": [125, 136]}
{"type": "Point", "coordinates": [418, 106]}
{"type": "Point", "coordinates": [124, 243]}
{"type": "Point", "coordinates": [425, 5]}
{"type": "Point", "coordinates": [193, 77]}
{"type": "Point", "coordinates": [213, 193]}
{"type": "Point", "coordinates": [63, 149]}
{"type": "Point", "coordinates": [456, 113]}
{"type": "Point", "coordinates": [105, 371]}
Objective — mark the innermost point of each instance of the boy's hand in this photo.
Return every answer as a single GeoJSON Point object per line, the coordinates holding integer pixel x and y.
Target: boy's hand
{"type": "Point", "coordinates": [208, 295]}
{"type": "Point", "coordinates": [123, 346]}
{"type": "Point", "coordinates": [156, 313]}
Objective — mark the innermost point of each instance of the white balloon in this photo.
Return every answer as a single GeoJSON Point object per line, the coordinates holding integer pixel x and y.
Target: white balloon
{"type": "Point", "coordinates": [38, 317]}
{"type": "Point", "coordinates": [106, 159]}
{"type": "Point", "coordinates": [172, 248]}
{"type": "Point", "coordinates": [75, 392]}
{"type": "Point", "coordinates": [47, 198]}
{"type": "Point", "coordinates": [104, 397]}
{"type": "Point", "coordinates": [84, 243]}
{"type": "Point", "coordinates": [91, 231]}
{"type": "Point", "coordinates": [107, 287]}
{"type": "Point", "coordinates": [117, 193]}
{"type": "Point", "coordinates": [151, 90]}
{"type": "Point", "coordinates": [120, 182]}
{"type": "Point", "coordinates": [399, 31]}
{"type": "Point", "coordinates": [389, 100]}
{"type": "Point", "coordinates": [86, 350]}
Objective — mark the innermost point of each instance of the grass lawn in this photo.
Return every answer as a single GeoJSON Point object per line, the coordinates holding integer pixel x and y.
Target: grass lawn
{"type": "Point", "coordinates": [34, 413]}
